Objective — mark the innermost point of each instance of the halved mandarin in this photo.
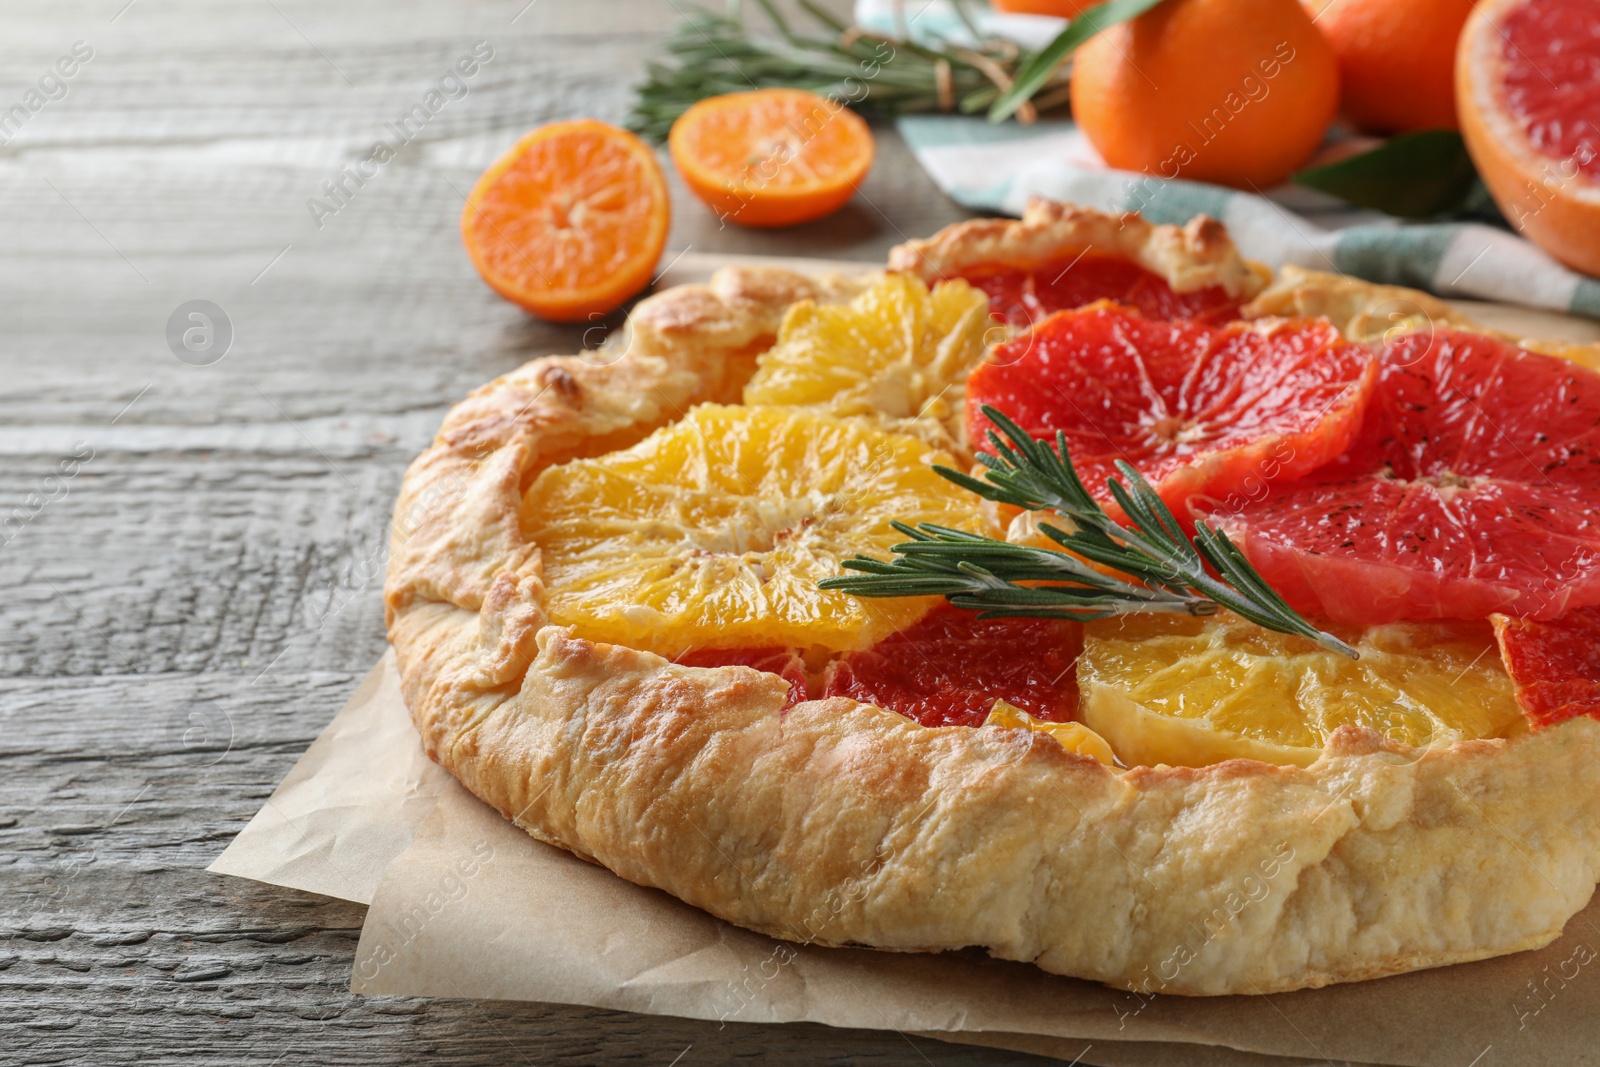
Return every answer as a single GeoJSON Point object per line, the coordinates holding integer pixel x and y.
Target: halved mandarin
{"type": "Point", "coordinates": [1197, 409]}
{"type": "Point", "coordinates": [771, 157]}
{"type": "Point", "coordinates": [1190, 692]}
{"type": "Point", "coordinates": [714, 531]}
{"type": "Point", "coordinates": [570, 222]}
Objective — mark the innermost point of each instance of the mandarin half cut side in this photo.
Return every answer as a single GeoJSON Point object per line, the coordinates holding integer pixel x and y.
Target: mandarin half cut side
{"type": "Point", "coordinates": [570, 222]}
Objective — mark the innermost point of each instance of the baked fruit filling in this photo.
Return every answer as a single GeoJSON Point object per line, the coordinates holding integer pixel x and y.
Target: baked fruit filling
{"type": "Point", "coordinates": [1426, 500]}
{"type": "Point", "coordinates": [950, 668]}
{"type": "Point", "coordinates": [1024, 295]}
{"type": "Point", "coordinates": [1471, 489]}
{"type": "Point", "coordinates": [1188, 691]}
{"type": "Point", "coordinates": [1196, 408]}
{"type": "Point", "coordinates": [714, 531]}
{"type": "Point", "coordinates": [897, 352]}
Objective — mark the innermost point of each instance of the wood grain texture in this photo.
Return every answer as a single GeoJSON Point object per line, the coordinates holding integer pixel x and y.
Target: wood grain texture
{"type": "Point", "coordinates": [182, 614]}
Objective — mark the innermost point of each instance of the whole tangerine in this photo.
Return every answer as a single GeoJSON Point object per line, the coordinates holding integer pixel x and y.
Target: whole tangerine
{"type": "Point", "coordinates": [1396, 60]}
{"type": "Point", "coordinates": [1061, 9]}
{"type": "Point", "coordinates": [1238, 92]}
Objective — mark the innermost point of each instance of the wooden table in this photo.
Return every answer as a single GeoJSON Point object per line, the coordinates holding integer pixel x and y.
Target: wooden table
{"type": "Point", "coordinates": [185, 549]}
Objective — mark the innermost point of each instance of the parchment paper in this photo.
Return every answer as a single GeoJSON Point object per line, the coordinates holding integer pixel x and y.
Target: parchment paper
{"type": "Point", "coordinates": [465, 905]}
{"type": "Point", "coordinates": [350, 805]}
{"type": "Point", "coordinates": [475, 908]}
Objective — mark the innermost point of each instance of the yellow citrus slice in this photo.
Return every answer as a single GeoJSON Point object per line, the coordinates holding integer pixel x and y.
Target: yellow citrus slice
{"type": "Point", "coordinates": [898, 349]}
{"type": "Point", "coordinates": [1073, 736]}
{"type": "Point", "coordinates": [714, 531]}
{"type": "Point", "coordinates": [1187, 691]}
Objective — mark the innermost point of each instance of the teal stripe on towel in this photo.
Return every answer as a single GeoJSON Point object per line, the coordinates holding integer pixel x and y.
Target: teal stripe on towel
{"type": "Point", "coordinates": [1586, 299]}
{"type": "Point", "coordinates": [1174, 201]}
{"type": "Point", "coordinates": [1395, 256]}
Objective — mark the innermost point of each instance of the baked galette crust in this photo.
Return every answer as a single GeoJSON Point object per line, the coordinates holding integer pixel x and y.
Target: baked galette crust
{"type": "Point", "coordinates": [1190, 257]}
{"type": "Point", "coordinates": [1365, 311]}
{"type": "Point", "coordinates": [844, 824]}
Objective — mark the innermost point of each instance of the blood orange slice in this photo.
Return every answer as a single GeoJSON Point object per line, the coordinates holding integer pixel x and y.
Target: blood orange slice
{"type": "Point", "coordinates": [1196, 408]}
{"type": "Point", "coordinates": [1528, 93]}
{"type": "Point", "coordinates": [1555, 665]}
{"type": "Point", "coordinates": [1473, 488]}
{"type": "Point", "coordinates": [950, 668]}
{"type": "Point", "coordinates": [1023, 296]}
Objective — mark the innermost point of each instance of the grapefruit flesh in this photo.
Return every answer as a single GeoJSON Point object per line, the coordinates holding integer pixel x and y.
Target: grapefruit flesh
{"type": "Point", "coordinates": [1195, 408]}
{"type": "Point", "coordinates": [1022, 296]}
{"type": "Point", "coordinates": [786, 663]}
{"type": "Point", "coordinates": [1528, 94]}
{"type": "Point", "coordinates": [1554, 91]}
{"type": "Point", "coordinates": [1473, 488]}
{"type": "Point", "coordinates": [950, 668]}
{"type": "Point", "coordinates": [1555, 665]}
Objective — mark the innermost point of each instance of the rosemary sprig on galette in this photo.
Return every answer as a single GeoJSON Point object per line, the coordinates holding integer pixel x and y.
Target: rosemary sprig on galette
{"type": "Point", "coordinates": [1158, 567]}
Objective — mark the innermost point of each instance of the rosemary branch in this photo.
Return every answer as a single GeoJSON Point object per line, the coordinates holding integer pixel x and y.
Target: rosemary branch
{"type": "Point", "coordinates": [878, 75]}
{"type": "Point", "coordinates": [1164, 569]}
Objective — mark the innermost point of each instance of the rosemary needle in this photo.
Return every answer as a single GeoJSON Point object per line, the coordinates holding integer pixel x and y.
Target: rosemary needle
{"type": "Point", "coordinates": [877, 74]}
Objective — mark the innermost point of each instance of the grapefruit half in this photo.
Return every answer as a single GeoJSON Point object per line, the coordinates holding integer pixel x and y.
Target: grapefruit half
{"type": "Point", "coordinates": [1528, 93]}
{"type": "Point", "coordinates": [1195, 408]}
{"type": "Point", "coordinates": [1473, 488]}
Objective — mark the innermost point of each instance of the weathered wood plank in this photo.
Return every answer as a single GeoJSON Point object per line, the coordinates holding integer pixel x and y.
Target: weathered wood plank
{"type": "Point", "coordinates": [115, 947]}
{"type": "Point", "coordinates": [181, 615]}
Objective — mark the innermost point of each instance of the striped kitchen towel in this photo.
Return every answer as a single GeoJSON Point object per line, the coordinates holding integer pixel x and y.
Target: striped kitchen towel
{"type": "Point", "coordinates": [996, 168]}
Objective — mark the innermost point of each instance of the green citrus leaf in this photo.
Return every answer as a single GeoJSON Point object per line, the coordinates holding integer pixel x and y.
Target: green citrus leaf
{"type": "Point", "coordinates": [1413, 176]}
{"type": "Point", "coordinates": [1037, 68]}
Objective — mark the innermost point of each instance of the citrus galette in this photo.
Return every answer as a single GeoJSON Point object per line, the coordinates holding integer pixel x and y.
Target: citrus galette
{"type": "Point", "coordinates": [1313, 706]}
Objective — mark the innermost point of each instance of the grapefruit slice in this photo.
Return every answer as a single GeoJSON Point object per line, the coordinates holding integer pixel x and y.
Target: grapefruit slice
{"type": "Point", "coordinates": [1473, 488]}
{"type": "Point", "coordinates": [1196, 408]}
{"type": "Point", "coordinates": [1555, 665]}
{"type": "Point", "coordinates": [1529, 101]}
{"type": "Point", "coordinates": [1022, 296]}
{"type": "Point", "coordinates": [950, 668]}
